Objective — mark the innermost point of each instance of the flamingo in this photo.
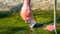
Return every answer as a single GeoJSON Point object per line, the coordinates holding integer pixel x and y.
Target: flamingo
{"type": "Point", "coordinates": [49, 27]}
{"type": "Point", "coordinates": [26, 13]}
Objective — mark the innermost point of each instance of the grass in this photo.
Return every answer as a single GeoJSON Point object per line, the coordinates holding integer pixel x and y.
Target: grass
{"type": "Point", "coordinates": [12, 23]}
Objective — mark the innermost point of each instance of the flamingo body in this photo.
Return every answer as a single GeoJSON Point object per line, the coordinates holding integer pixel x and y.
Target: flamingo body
{"type": "Point", "coordinates": [50, 27]}
{"type": "Point", "coordinates": [26, 13]}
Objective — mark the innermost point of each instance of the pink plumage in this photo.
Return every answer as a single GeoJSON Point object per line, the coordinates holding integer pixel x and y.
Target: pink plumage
{"type": "Point", "coordinates": [26, 13]}
{"type": "Point", "coordinates": [49, 27]}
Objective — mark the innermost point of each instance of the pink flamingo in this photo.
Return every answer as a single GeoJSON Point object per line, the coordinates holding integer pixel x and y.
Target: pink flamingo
{"type": "Point", "coordinates": [26, 13]}
{"type": "Point", "coordinates": [50, 27]}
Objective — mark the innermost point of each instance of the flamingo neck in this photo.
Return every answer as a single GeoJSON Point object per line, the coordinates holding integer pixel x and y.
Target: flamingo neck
{"type": "Point", "coordinates": [26, 2]}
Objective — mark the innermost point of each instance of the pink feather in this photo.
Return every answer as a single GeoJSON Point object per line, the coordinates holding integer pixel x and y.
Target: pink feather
{"type": "Point", "coordinates": [49, 27]}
